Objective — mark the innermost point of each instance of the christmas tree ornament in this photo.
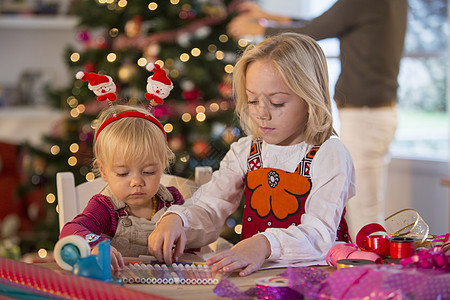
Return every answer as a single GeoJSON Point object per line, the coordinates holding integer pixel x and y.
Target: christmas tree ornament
{"type": "Point", "coordinates": [152, 51]}
{"type": "Point", "coordinates": [126, 72]}
{"type": "Point", "coordinates": [203, 32]}
{"type": "Point", "coordinates": [101, 42]}
{"type": "Point", "coordinates": [215, 9]}
{"type": "Point", "coordinates": [133, 27]}
{"type": "Point", "coordinates": [83, 36]}
{"type": "Point", "coordinates": [187, 13]}
{"type": "Point", "coordinates": [177, 143]}
{"type": "Point", "coordinates": [225, 90]}
{"type": "Point", "coordinates": [102, 85]}
{"type": "Point", "coordinates": [161, 111]}
{"type": "Point", "coordinates": [189, 91]}
{"type": "Point", "coordinates": [90, 67]}
{"type": "Point", "coordinates": [201, 149]}
{"type": "Point", "coordinates": [158, 85]}
{"type": "Point", "coordinates": [192, 95]}
{"type": "Point", "coordinates": [184, 39]}
{"type": "Point", "coordinates": [113, 32]}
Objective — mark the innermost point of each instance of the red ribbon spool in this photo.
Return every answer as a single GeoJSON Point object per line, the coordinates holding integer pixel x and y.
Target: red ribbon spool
{"type": "Point", "coordinates": [379, 244]}
{"type": "Point", "coordinates": [402, 247]}
{"type": "Point", "coordinates": [365, 232]}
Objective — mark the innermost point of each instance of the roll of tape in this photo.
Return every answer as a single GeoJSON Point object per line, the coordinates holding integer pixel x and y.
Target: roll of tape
{"type": "Point", "coordinates": [69, 250]}
{"type": "Point", "coordinates": [346, 263]}
{"type": "Point", "coordinates": [275, 287]}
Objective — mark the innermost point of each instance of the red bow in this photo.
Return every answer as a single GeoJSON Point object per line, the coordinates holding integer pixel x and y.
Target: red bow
{"type": "Point", "coordinates": [109, 96]}
{"type": "Point", "coordinates": [157, 99]}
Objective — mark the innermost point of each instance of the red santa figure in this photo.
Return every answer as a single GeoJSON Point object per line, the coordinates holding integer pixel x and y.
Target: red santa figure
{"type": "Point", "coordinates": [102, 85]}
{"type": "Point", "coordinates": [158, 85]}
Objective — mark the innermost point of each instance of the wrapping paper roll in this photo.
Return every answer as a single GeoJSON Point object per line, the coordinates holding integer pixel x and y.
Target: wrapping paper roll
{"type": "Point", "coordinates": [275, 287]}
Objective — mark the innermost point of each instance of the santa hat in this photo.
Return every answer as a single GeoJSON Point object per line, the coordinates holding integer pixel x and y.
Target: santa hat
{"type": "Point", "coordinates": [93, 78]}
{"type": "Point", "coordinates": [160, 74]}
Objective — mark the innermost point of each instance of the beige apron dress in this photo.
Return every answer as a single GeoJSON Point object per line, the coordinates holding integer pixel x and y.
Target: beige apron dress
{"type": "Point", "coordinates": [132, 232]}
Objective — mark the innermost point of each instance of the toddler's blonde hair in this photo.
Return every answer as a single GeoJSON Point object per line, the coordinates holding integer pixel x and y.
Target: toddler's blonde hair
{"type": "Point", "coordinates": [134, 138]}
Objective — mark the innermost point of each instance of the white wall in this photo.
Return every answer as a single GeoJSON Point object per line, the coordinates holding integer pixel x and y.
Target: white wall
{"type": "Point", "coordinates": [35, 44]}
{"type": "Point", "coordinates": [417, 184]}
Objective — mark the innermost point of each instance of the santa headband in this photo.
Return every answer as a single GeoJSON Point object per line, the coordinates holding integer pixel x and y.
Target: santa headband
{"type": "Point", "coordinates": [103, 86]}
{"type": "Point", "coordinates": [132, 114]}
{"type": "Point", "coordinates": [107, 89]}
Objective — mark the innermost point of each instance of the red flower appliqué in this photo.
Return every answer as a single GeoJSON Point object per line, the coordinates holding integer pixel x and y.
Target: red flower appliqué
{"type": "Point", "coordinates": [276, 191]}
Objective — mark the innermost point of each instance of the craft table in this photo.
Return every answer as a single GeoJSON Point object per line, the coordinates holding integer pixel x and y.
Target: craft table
{"type": "Point", "coordinates": [188, 291]}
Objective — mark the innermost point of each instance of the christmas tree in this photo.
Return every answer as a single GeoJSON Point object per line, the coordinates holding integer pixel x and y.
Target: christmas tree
{"type": "Point", "coordinates": [119, 38]}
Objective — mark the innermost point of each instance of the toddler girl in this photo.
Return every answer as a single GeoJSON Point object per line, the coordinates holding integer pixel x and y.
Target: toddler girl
{"type": "Point", "coordinates": [131, 154]}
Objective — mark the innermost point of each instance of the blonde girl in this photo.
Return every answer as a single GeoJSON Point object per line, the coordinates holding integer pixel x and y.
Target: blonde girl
{"type": "Point", "coordinates": [295, 174]}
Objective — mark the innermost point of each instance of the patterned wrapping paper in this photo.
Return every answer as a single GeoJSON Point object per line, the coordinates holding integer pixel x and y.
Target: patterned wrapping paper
{"type": "Point", "coordinates": [371, 282]}
{"type": "Point", "coordinates": [38, 281]}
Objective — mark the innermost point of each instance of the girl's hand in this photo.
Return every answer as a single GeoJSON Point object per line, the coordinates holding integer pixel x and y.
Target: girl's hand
{"type": "Point", "coordinates": [168, 233]}
{"type": "Point", "coordinates": [117, 261]}
{"type": "Point", "coordinates": [248, 255]}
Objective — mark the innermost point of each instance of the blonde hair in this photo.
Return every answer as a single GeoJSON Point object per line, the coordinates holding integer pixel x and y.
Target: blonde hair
{"type": "Point", "coordinates": [132, 137]}
{"type": "Point", "coordinates": [302, 66]}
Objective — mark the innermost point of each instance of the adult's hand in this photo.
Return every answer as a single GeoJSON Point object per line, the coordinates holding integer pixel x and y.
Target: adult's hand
{"type": "Point", "coordinates": [251, 10]}
{"type": "Point", "coordinates": [242, 26]}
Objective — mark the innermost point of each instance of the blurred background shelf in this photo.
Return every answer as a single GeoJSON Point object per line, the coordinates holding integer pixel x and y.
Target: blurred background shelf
{"type": "Point", "coordinates": [36, 22]}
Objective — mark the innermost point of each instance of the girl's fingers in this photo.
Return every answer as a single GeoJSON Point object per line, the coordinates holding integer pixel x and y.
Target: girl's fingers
{"type": "Point", "coordinates": [224, 262]}
{"type": "Point", "coordinates": [179, 247]}
{"type": "Point", "coordinates": [248, 270]}
{"type": "Point", "coordinates": [235, 264]}
{"type": "Point", "coordinates": [158, 252]}
{"type": "Point", "coordinates": [215, 258]}
{"type": "Point", "coordinates": [114, 262]}
{"type": "Point", "coordinates": [167, 251]}
{"type": "Point", "coordinates": [156, 248]}
{"type": "Point", "coordinates": [212, 261]}
{"type": "Point", "coordinates": [120, 260]}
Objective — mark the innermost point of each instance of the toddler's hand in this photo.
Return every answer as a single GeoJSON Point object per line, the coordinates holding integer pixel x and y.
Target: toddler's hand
{"type": "Point", "coordinates": [117, 261]}
{"type": "Point", "coordinates": [168, 233]}
{"type": "Point", "coordinates": [248, 254]}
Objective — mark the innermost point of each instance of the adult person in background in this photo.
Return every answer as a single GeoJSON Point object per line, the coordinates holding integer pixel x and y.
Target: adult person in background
{"type": "Point", "coordinates": [371, 35]}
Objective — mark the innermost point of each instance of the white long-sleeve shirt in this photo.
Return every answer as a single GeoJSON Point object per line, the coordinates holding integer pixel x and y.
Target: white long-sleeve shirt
{"type": "Point", "coordinates": [333, 184]}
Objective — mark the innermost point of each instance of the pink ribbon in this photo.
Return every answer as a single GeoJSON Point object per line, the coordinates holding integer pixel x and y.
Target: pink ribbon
{"type": "Point", "coordinates": [433, 258]}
